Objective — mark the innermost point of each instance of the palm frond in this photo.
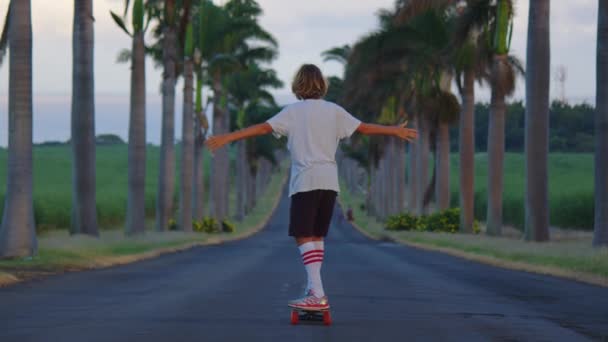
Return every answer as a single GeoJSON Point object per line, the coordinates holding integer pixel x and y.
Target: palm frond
{"type": "Point", "coordinates": [224, 62]}
{"type": "Point", "coordinates": [257, 54]}
{"type": "Point", "coordinates": [517, 65]}
{"type": "Point", "coordinates": [124, 56]}
{"type": "Point", "coordinates": [127, 2]}
{"type": "Point", "coordinates": [408, 9]}
{"type": "Point", "coordinates": [338, 54]}
{"type": "Point", "coordinates": [120, 22]}
{"type": "Point", "coordinates": [243, 8]}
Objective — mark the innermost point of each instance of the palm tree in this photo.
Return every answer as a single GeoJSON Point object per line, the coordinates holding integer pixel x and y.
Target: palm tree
{"type": "Point", "coordinates": [369, 68]}
{"type": "Point", "coordinates": [412, 175]}
{"type": "Point", "coordinates": [260, 152]}
{"type": "Point", "coordinates": [537, 122]}
{"type": "Point", "coordinates": [436, 106]}
{"type": "Point", "coordinates": [481, 40]}
{"type": "Point", "coordinates": [226, 39]}
{"type": "Point", "coordinates": [467, 153]}
{"type": "Point", "coordinates": [408, 56]}
{"type": "Point", "coordinates": [137, 120]}
{"type": "Point", "coordinates": [84, 213]}
{"type": "Point", "coordinates": [201, 126]}
{"type": "Point", "coordinates": [187, 167]}
{"type": "Point", "coordinates": [482, 37]}
{"type": "Point", "coordinates": [18, 230]}
{"type": "Point", "coordinates": [502, 79]}
{"type": "Point", "coordinates": [469, 65]}
{"type": "Point", "coordinates": [600, 236]}
{"type": "Point", "coordinates": [338, 54]}
{"type": "Point", "coordinates": [448, 112]}
{"type": "Point", "coordinates": [247, 88]}
{"type": "Point", "coordinates": [166, 174]}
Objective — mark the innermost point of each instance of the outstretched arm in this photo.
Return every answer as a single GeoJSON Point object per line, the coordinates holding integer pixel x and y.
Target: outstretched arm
{"type": "Point", "coordinates": [217, 141]}
{"type": "Point", "coordinates": [399, 131]}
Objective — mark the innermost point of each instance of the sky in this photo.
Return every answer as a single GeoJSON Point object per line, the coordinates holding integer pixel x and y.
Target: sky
{"type": "Point", "coordinates": [303, 29]}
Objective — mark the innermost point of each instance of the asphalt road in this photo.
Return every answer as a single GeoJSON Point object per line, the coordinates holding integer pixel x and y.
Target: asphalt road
{"type": "Point", "coordinates": [238, 292]}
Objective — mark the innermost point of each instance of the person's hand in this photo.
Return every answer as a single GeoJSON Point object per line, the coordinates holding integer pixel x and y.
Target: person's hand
{"type": "Point", "coordinates": [405, 133]}
{"type": "Point", "coordinates": [215, 142]}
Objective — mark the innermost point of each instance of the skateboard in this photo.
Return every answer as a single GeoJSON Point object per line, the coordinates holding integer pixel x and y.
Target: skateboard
{"type": "Point", "coordinates": [310, 315]}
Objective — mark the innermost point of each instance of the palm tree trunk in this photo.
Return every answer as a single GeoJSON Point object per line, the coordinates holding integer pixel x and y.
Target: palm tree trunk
{"type": "Point", "coordinates": [467, 154]}
{"type": "Point", "coordinates": [252, 193]}
{"type": "Point", "coordinates": [429, 191]}
{"type": "Point", "coordinates": [600, 234]}
{"type": "Point", "coordinates": [369, 197]}
{"type": "Point", "coordinates": [442, 186]}
{"type": "Point", "coordinates": [392, 166]}
{"type": "Point", "coordinates": [166, 174]}
{"type": "Point", "coordinates": [400, 158]}
{"type": "Point", "coordinates": [263, 175]}
{"type": "Point", "coordinates": [377, 206]}
{"type": "Point", "coordinates": [220, 163]}
{"type": "Point", "coordinates": [537, 122]}
{"type": "Point", "coordinates": [380, 189]}
{"type": "Point", "coordinates": [136, 213]}
{"type": "Point", "coordinates": [388, 178]}
{"type": "Point", "coordinates": [412, 178]}
{"type": "Point", "coordinates": [496, 154]}
{"type": "Point", "coordinates": [84, 212]}
{"type": "Point", "coordinates": [246, 180]}
{"type": "Point", "coordinates": [258, 177]}
{"type": "Point", "coordinates": [381, 200]}
{"type": "Point", "coordinates": [422, 165]}
{"type": "Point", "coordinates": [240, 181]}
{"type": "Point", "coordinates": [198, 187]}
{"type": "Point", "coordinates": [18, 230]}
{"type": "Point", "coordinates": [187, 169]}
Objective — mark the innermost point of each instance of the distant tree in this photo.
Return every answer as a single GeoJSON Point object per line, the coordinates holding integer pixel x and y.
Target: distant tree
{"type": "Point", "coordinates": [109, 139]}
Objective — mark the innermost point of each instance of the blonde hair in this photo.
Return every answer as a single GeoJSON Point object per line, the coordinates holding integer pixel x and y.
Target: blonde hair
{"type": "Point", "coordinates": [309, 83]}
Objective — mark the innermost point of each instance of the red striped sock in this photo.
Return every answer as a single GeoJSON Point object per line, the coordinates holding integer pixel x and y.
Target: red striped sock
{"type": "Point", "coordinates": [312, 258]}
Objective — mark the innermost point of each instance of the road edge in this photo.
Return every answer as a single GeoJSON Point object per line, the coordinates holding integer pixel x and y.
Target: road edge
{"type": "Point", "coordinates": [586, 278]}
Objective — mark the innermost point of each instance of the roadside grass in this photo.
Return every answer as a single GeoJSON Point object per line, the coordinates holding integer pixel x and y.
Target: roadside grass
{"type": "Point", "coordinates": [571, 257]}
{"type": "Point", "coordinates": [575, 256]}
{"type": "Point", "coordinates": [58, 251]}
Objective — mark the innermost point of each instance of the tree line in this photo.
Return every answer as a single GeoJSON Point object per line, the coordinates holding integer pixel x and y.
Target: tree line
{"type": "Point", "coordinates": [571, 128]}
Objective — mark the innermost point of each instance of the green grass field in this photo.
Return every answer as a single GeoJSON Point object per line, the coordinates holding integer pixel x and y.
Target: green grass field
{"type": "Point", "coordinates": [571, 178]}
{"type": "Point", "coordinates": [53, 184]}
{"type": "Point", "coordinates": [570, 186]}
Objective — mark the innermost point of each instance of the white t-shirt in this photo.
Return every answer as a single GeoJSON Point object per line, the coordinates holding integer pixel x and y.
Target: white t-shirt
{"type": "Point", "coordinates": [313, 128]}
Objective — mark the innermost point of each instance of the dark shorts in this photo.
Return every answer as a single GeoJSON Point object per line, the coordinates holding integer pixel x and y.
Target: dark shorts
{"type": "Point", "coordinates": [310, 213]}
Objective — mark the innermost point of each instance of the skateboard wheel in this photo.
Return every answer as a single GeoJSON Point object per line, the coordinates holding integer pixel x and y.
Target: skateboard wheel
{"type": "Point", "coordinates": [294, 317]}
{"type": "Point", "coordinates": [326, 318]}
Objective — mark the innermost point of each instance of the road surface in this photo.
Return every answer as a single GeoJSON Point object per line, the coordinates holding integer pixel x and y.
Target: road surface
{"type": "Point", "coordinates": [238, 292]}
